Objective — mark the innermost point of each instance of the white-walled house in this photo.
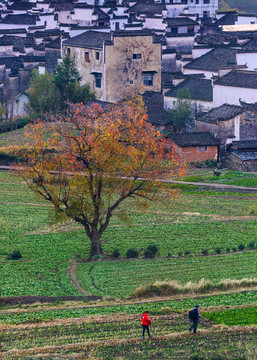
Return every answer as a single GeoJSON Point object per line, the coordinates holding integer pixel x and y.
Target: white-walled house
{"type": "Point", "coordinates": [211, 61]}
{"type": "Point", "coordinates": [235, 86]}
{"type": "Point", "coordinates": [200, 90]}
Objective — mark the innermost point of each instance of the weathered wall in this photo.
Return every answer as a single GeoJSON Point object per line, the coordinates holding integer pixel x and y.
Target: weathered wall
{"type": "Point", "coordinates": [122, 71]}
{"type": "Point", "coordinates": [231, 95]}
{"type": "Point", "coordinates": [86, 68]}
{"type": "Point", "coordinates": [248, 126]}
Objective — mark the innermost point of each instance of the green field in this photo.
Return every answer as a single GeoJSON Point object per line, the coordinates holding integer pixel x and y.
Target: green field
{"type": "Point", "coordinates": [110, 328]}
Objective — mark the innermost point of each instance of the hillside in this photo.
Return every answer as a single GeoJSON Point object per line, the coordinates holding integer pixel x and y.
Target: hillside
{"type": "Point", "coordinates": [247, 6]}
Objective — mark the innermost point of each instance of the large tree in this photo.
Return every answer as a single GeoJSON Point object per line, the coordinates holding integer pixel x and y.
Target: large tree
{"type": "Point", "coordinates": [89, 161]}
{"type": "Point", "coordinates": [182, 109]}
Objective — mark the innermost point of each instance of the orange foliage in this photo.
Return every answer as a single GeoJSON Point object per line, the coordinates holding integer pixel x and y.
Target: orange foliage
{"type": "Point", "coordinates": [90, 160]}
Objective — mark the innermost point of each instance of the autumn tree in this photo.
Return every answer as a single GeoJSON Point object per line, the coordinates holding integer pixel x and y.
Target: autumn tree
{"type": "Point", "coordinates": [89, 161]}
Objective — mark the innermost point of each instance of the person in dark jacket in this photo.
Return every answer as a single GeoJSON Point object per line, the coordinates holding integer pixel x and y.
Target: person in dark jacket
{"type": "Point", "coordinates": [146, 321]}
{"type": "Point", "coordinates": [195, 319]}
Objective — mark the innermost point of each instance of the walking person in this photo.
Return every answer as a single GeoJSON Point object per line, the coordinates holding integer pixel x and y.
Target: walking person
{"type": "Point", "coordinates": [146, 321]}
{"type": "Point", "coordinates": [194, 316]}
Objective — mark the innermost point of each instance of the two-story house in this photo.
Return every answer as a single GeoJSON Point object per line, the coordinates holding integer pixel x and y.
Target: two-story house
{"type": "Point", "coordinates": [112, 62]}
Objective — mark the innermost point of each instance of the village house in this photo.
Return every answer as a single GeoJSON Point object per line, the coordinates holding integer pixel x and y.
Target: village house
{"type": "Point", "coordinates": [110, 63]}
{"type": "Point", "coordinates": [200, 90]}
{"type": "Point", "coordinates": [192, 147]}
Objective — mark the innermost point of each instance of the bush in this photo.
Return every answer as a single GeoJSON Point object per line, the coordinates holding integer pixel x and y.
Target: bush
{"type": "Point", "coordinates": [187, 252]}
{"type": "Point", "coordinates": [227, 249]}
{"type": "Point", "coordinates": [218, 250]}
{"type": "Point", "coordinates": [15, 255]}
{"type": "Point", "coordinates": [252, 245]}
{"type": "Point", "coordinates": [234, 249]}
{"type": "Point", "coordinates": [179, 254]}
{"type": "Point", "coordinates": [131, 253]}
{"type": "Point", "coordinates": [116, 253]}
{"type": "Point", "coordinates": [205, 251]}
{"type": "Point", "coordinates": [241, 247]}
{"type": "Point", "coordinates": [6, 159]}
{"type": "Point", "coordinates": [151, 251]}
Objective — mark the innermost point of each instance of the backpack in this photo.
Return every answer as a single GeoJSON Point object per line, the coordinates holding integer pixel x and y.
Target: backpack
{"type": "Point", "coordinates": [191, 315]}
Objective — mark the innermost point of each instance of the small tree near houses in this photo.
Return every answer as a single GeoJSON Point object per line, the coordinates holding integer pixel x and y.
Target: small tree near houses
{"type": "Point", "coordinates": [89, 161]}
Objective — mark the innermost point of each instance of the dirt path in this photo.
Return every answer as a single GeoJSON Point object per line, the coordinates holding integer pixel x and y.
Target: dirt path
{"type": "Point", "coordinates": [72, 274]}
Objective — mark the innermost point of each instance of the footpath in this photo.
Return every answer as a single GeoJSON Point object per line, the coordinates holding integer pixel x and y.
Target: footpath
{"type": "Point", "coordinates": [201, 185]}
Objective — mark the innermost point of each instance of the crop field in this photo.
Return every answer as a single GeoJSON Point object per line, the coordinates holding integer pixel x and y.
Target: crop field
{"type": "Point", "coordinates": [110, 328]}
{"type": "Point", "coordinates": [191, 224]}
{"type": "Point", "coordinates": [228, 177]}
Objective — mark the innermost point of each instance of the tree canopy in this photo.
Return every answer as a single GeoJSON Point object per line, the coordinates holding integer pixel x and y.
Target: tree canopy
{"type": "Point", "coordinates": [49, 93]}
{"type": "Point", "coordinates": [182, 108]}
{"type": "Point", "coordinates": [89, 161]}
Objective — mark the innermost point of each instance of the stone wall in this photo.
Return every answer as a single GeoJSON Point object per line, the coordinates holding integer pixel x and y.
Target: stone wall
{"type": "Point", "coordinates": [231, 161]}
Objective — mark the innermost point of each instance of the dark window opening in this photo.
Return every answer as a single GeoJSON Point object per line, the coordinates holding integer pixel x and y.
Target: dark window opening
{"type": "Point", "coordinates": [137, 56]}
{"type": "Point", "coordinates": [98, 80]}
{"type": "Point", "coordinates": [97, 55]}
{"type": "Point", "coordinates": [202, 148]}
{"type": "Point", "coordinates": [86, 56]}
{"type": "Point", "coordinates": [206, 1]}
{"type": "Point", "coordinates": [174, 30]}
{"type": "Point", "coordinates": [131, 82]}
{"type": "Point", "coordinates": [148, 79]}
{"type": "Point", "coordinates": [190, 29]}
{"type": "Point", "coordinates": [68, 51]}
{"type": "Point", "coordinates": [117, 26]}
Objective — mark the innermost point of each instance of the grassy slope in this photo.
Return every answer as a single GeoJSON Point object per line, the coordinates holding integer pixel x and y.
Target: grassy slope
{"type": "Point", "coordinates": [192, 223]}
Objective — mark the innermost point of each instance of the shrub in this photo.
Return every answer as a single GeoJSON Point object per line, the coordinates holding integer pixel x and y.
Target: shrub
{"type": "Point", "coordinates": [210, 162]}
{"type": "Point", "coordinates": [179, 253]}
{"type": "Point", "coordinates": [6, 159]}
{"type": "Point", "coordinates": [187, 252]}
{"type": "Point", "coordinates": [131, 253]}
{"type": "Point", "coordinates": [205, 251]}
{"type": "Point", "coordinates": [116, 253]}
{"type": "Point", "coordinates": [241, 247]}
{"type": "Point", "coordinates": [151, 251]}
{"type": "Point", "coordinates": [234, 249]}
{"type": "Point", "coordinates": [252, 245]}
{"type": "Point", "coordinates": [218, 250]}
{"type": "Point", "coordinates": [227, 249]}
{"type": "Point", "coordinates": [15, 255]}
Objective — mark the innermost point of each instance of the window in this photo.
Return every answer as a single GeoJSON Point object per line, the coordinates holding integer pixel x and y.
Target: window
{"type": "Point", "coordinates": [148, 78]}
{"type": "Point", "coordinates": [197, 1]}
{"type": "Point", "coordinates": [206, 1]}
{"type": "Point", "coordinates": [86, 56]}
{"type": "Point", "coordinates": [98, 80]}
{"type": "Point", "coordinates": [174, 30]}
{"type": "Point", "coordinates": [190, 29]}
{"type": "Point", "coordinates": [137, 56]}
{"type": "Point", "coordinates": [117, 26]}
{"type": "Point", "coordinates": [97, 56]}
{"type": "Point", "coordinates": [131, 82]}
{"type": "Point", "coordinates": [202, 148]}
{"type": "Point", "coordinates": [68, 51]}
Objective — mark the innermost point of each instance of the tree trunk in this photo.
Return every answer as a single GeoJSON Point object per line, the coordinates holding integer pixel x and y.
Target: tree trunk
{"type": "Point", "coordinates": [96, 248]}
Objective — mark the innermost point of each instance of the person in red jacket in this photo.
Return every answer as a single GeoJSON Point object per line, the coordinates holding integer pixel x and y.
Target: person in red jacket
{"type": "Point", "coordinates": [146, 321]}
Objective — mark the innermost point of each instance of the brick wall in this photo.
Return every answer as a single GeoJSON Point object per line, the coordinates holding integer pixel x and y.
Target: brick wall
{"type": "Point", "coordinates": [193, 154]}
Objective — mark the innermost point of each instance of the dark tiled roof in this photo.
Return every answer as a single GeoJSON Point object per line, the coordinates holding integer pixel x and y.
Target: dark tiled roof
{"type": "Point", "coordinates": [47, 33]}
{"type": "Point", "coordinates": [154, 104]}
{"type": "Point", "coordinates": [56, 44]}
{"type": "Point", "coordinates": [89, 39]}
{"type": "Point", "coordinates": [228, 19]}
{"type": "Point", "coordinates": [101, 15]}
{"type": "Point", "coordinates": [181, 21]}
{"type": "Point", "coordinates": [221, 113]}
{"type": "Point", "coordinates": [148, 8]}
{"type": "Point", "coordinates": [64, 6]}
{"type": "Point", "coordinates": [216, 39]}
{"type": "Point", "coordinates": [241, 79]}
{"type": "Point", "coordinates": [13, 31]}
{"type": "Point", "coordinates": [250, 45]}
{"type": "Point", "coordinates": [20, 19]}
{"type": "Point", "coordinates": [194, 139]}
{"type": "Point", "coordinates": [213, 60]}
{"type": "Point", "coordinates": [246, 144]}
{"type": "Point", "coordinates": [199, 89]}
{"type": "Point", "coordinates": [22, 5]}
